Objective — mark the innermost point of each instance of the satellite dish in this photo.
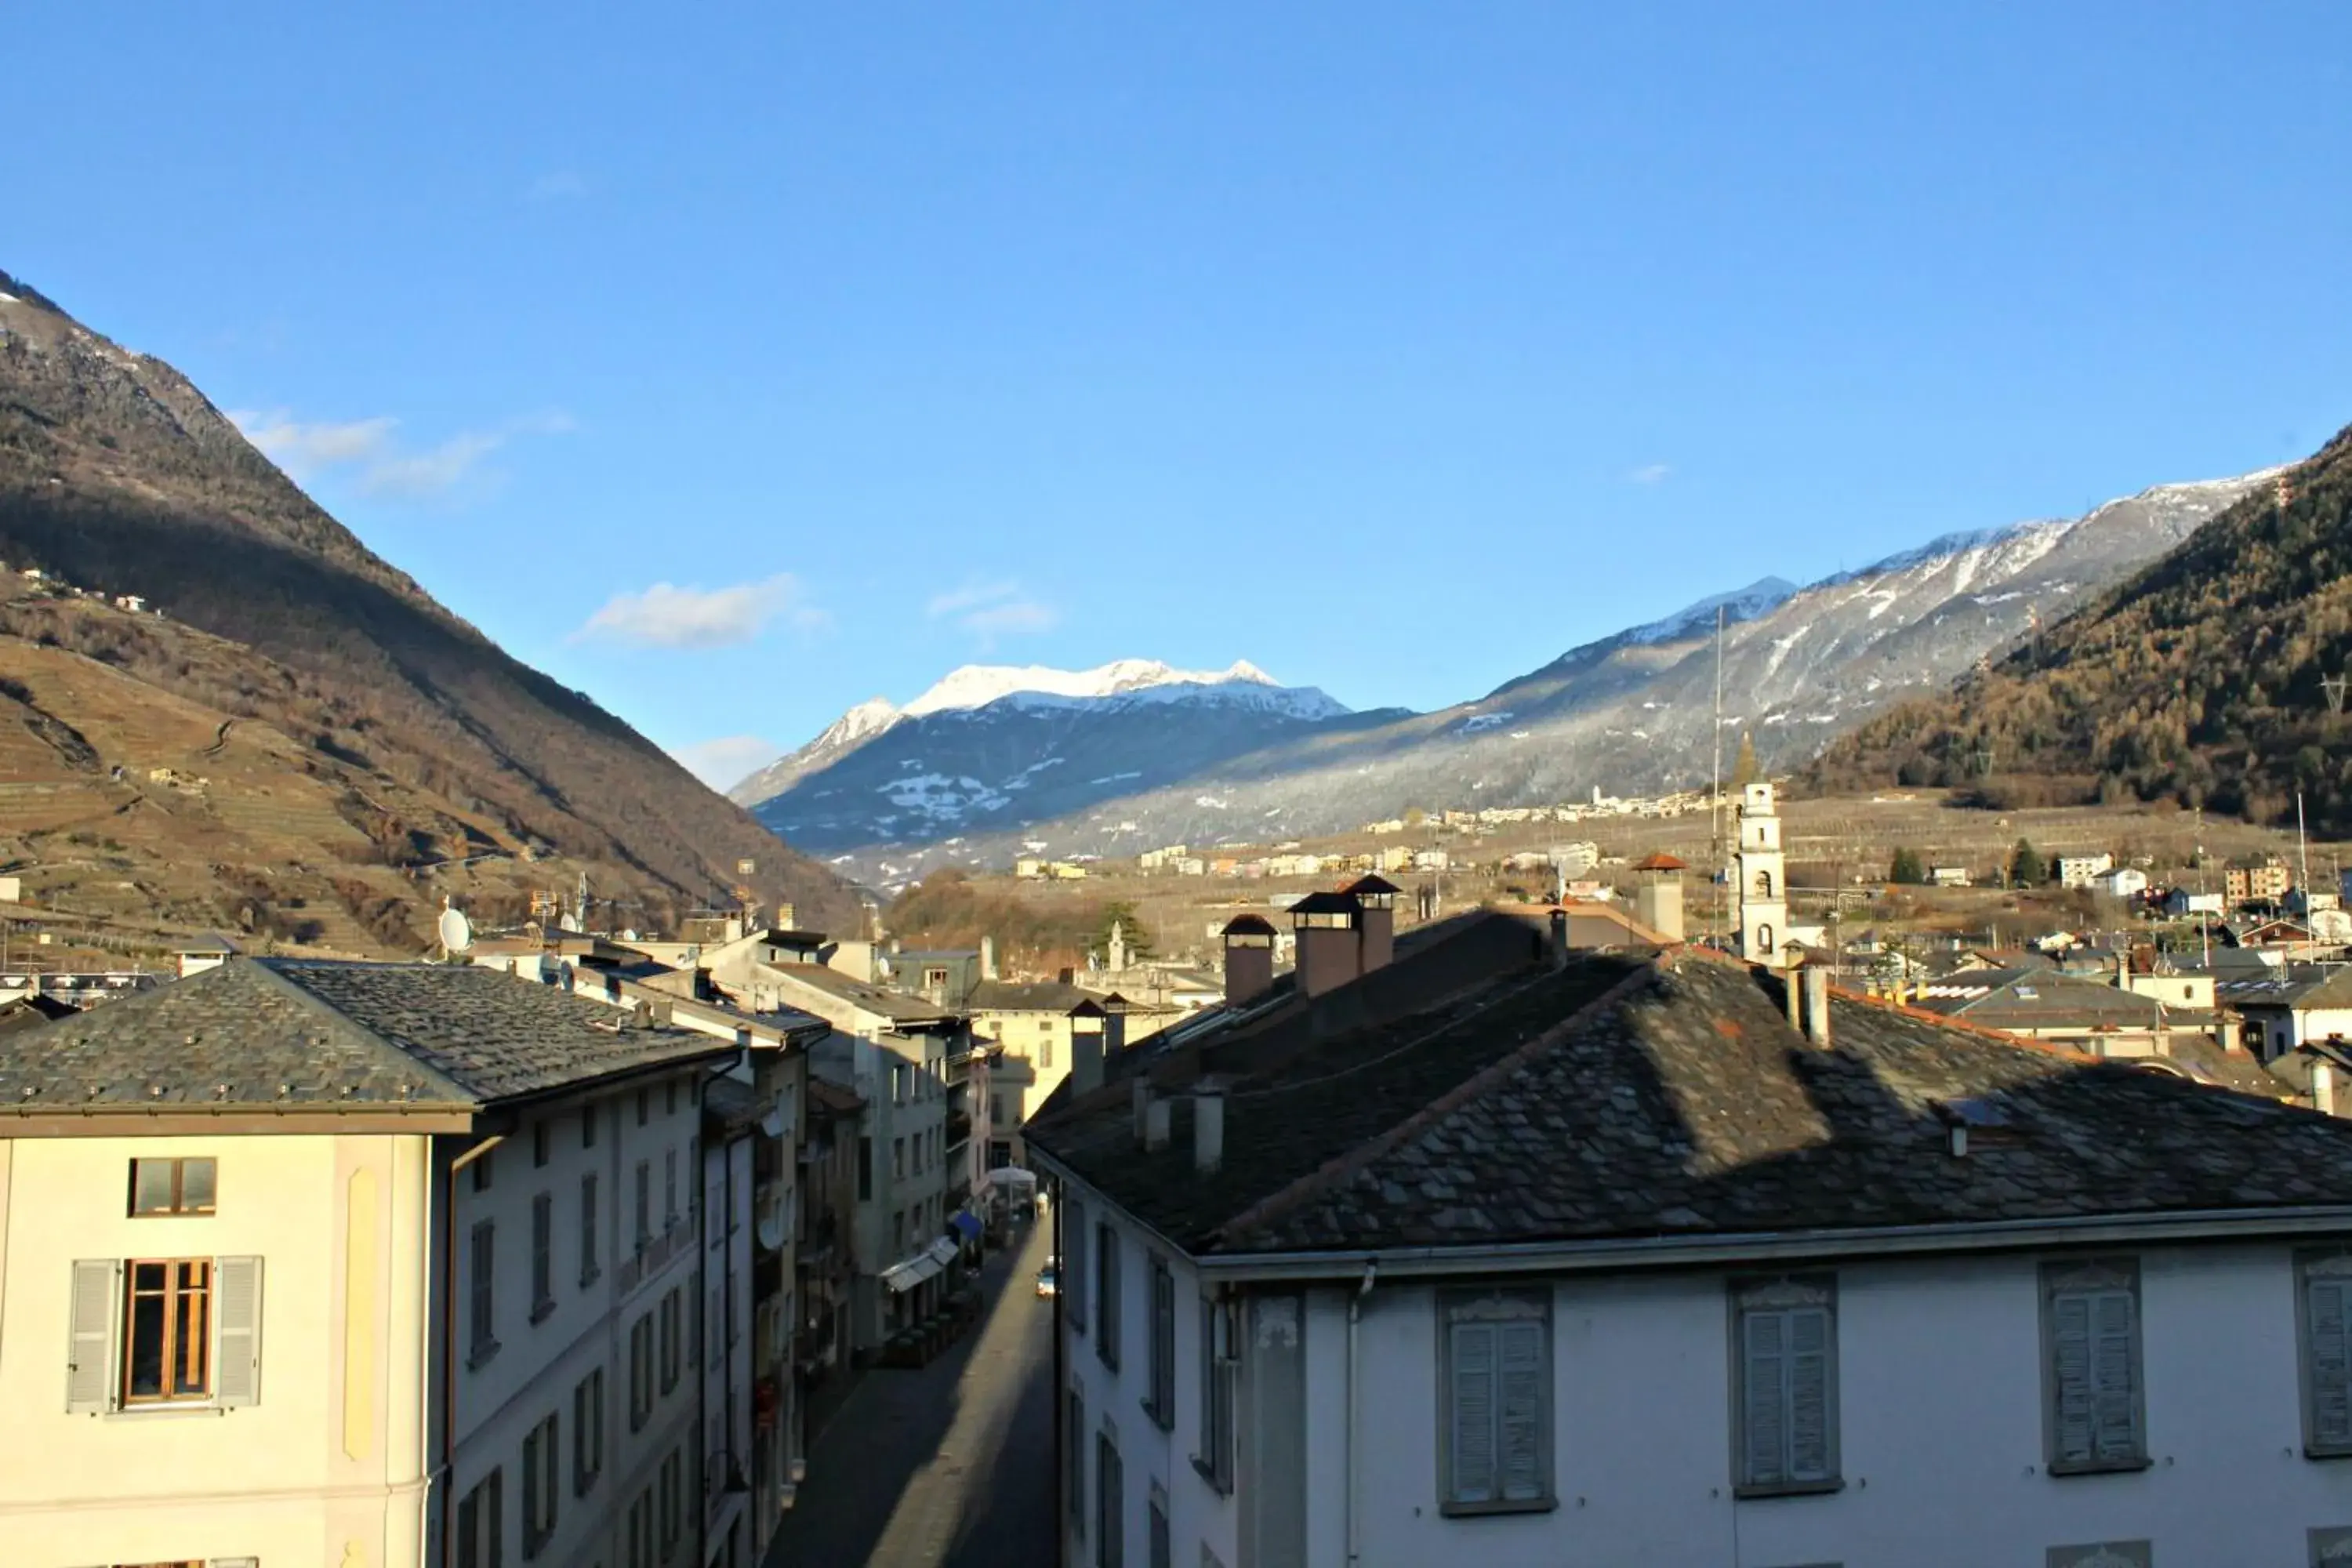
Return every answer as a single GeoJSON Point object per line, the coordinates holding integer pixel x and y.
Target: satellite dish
{"type": "Point", "coordinates": [456, 930]}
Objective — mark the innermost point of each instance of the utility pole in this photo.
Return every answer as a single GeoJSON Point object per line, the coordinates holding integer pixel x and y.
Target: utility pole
{"type": "Point", "coordinates": [1715, 795]}
{"type": "Point", "coordinates": [2303, 853]}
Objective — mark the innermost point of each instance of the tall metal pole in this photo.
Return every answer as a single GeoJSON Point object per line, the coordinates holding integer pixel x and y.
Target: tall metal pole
{"type": "Point", "coordinates": [1715, 796]}
{"type": "Point", "coordinates": [2303, 853]}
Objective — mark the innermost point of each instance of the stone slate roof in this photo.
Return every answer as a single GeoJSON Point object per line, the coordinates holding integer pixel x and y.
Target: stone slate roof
{"type": "Point", "coordinates": [1035, 997]}
{"type": "Point", "coordinates": [331, 1035]}
{"type": "Point", "coordinates": [2037, 999]}
{"type": "Point", "coordinates": [897, 1007]}
{"type": "Point", "coordinates": [32, 1011]}
{"type": "Point", "coordinates": [1617, 1100]}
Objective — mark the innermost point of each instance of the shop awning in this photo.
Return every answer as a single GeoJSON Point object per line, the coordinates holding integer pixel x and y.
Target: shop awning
{"type": "Point", "coordinates": [900, 1277]}
{"type": "Point", "coordinates": [968, 1224]}
{"type": "Point", "coordinates": [943, 1251]}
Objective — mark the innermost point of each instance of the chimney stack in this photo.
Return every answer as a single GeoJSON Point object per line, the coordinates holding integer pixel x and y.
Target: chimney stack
{"type": "Point", "coordinates": [1560, 939]}
{"type": "Point", "coordinates": [1155, 1123]}
{"type": "Point", "coordinates": [1376, 898]}
{"type": "Point", "coordinates": [1817, 1006]}
{"type": "Point", "coordinates": [1328, 945]}
{"type": "Point", "coordinates": [2322, 1086]}
{"type": "Point", "coordinates": [1086, 1053]}
{"type": "Point", "coordinates": [988, 958]}
{"type": "Point", "coordinates": [1249, 959]}
{"type": "Point", "coordinates": [1791, 991]}
{"type": "Point", "coordinates": [1140, 1088]}
{"type": "Point", "coordinates": [1208, 1130]}
{"type": "Point", "coordinates": [1658, 895]}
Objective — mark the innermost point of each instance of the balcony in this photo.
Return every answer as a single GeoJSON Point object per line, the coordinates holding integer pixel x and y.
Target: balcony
{"type": "Point", "coordinates": [958, 1132]}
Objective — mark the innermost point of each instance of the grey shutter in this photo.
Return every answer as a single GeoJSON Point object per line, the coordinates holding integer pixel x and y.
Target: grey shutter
{"type": "Point", "coordinates": [2070, 1334]}
{"type": "Point", "coordinates": [1520, 1430]}
{"type": "Point", "coordinates": [1811, 1419]}
{"type": "Point", "coordinates": [2330, 1305]}
{"type": "Point", "coordinates": [1763, 1382]}
{"type": "Point", "coordinates": [2114, 1373]}
{"type": "Point", "coordinates": [90, 1355]}
{"type": "Point", "coordinates": [236, 1376]}
{"type": "Point", "coordinates": [1472, 1415]}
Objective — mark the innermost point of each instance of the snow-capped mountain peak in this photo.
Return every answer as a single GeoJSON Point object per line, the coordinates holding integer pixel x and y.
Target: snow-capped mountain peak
{"type": "Point", "coordinates": [977, 685]}
{"type": "Point", "coordinates": [1759, 598]}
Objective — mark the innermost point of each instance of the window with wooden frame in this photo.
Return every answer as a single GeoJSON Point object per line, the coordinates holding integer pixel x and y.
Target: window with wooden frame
{"type": "Point", "coordinates": [1220, 1374]}
{"type": "Point", "coordinates": [481, 1293]}
{"type": "Point", "coordinates": [1161, 1401]}
{"type": "Point", "coordinates": [541, 1448]}
{"type": "Point", "coordinates": [2323, 1318]}
{"type": "Point", "coordinates": [673, 1501]}
{"type": "Point", "coordinates": [644, 1204]}
{"type": "Point", "coordinates": [589, 1269]}
{"type": "Point", "coordinates": [2092, 1407]}
{"type": "Point", "coordinates": [173, 1187]}
{"type": "Point", "coordinates": [1107, 1296]}
{"type": "Point", "coordinates": [167, 1331]}
{"type": "Point", "coordinates": [542, 1135]}
{"type": "Point", "coordinates": [669, 1347]}
{"type": "Point", "coordinates": [588, 1125]}
{"type": "Point", "coordinates": [160, 1332]}
{"type": "Point", "coordinates": [1785, 1389]}
{"type": "Point", "coordinates": [543, 1257]}
{"type": "Point", "coordinates": [587, 1432]}
{"type": "Point", "coordinates": [1110, 1503]}
{"type": "Point", "coordinates": [641, 1370]}
{"type": "Point", "coordinates": [1494, 1444]}
{"type": "Point", "coordinates": [481, 1523]}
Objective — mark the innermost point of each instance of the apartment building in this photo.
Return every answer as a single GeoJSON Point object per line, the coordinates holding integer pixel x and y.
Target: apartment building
{"type": "Point", "coordinates": [1035, 1026]}
{"type": "Point", "coordinates": [352, 1262]}
{"type": "Point", "coordinates": [1537, 1258]}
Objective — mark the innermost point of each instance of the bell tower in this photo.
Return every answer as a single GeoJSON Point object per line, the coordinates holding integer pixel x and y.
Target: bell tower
{"type": "Point", "coordinates": [1759, 873]}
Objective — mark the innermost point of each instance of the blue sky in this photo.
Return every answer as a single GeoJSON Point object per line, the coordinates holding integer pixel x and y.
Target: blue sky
{"type": "Point", "coordinates": [737, 363]}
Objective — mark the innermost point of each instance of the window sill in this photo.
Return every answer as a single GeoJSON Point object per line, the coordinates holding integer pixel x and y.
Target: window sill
{"type": "Point", "coordinates": [2323, 1456]}
{"type": "Point", "coordinates": [1789, 1488]}
{"type": "Point", "coordinates": [588, 1280]}
{"type": "Point", "coordinates": [542, 1310]}
{"type": "Point", "coordinates": [2101, 1468]}
{"type": "Point", "coordinates": [153, 1410]}
{"type": "Point", "coordinates": [1163, 1420]}
{"type": "Point", "coordinates": [1493, 1509]}
{"type": "Point", "coordinates": [1221, 1485]}
{"type": "Point", "coordinates": [481, 1356]}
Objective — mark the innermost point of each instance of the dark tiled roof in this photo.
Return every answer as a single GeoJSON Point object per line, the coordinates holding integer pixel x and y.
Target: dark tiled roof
{"type": "Point", "coordinates": [319, 1034]}
{"type": "Point", "coordinates": [1661, 861]}
{"type": "Point", "coordinates": [32, 1011]}
{"type": "Point", "coordinates": [1619, 1099]}
{"type": "Point", "coordinates": [2206, 1062]}
{"type": "Point", "coordinates": [833, 1098]}
{"type": "Point", "coordinates": [895, 1006]}
{"type": "Point", "coordinates": [731, 1103]}
{"type": "Point", "coordinates": [1037, 996]}
{"type": "Point", "coordinates": [1249, 925]}
{"type": "Point", "coordinates": [2036, 999]}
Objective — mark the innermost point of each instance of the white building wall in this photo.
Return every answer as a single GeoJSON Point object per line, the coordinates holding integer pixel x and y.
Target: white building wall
{"type": "Point", "coordinates": [1942, 1441]}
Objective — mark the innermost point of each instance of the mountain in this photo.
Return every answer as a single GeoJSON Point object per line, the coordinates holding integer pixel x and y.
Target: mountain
{"type": "Point", "coordinates": [1628, 713]}
{"type": "Point", "coordinates": [2201, 677]}
{"type": "Point", "coordinates": [426, 760]}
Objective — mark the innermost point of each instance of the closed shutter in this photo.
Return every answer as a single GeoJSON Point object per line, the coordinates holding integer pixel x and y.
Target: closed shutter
{"type": "Point", "coordinates": [2070, 1330]}
{"type": "Point", "coordinates": [1522, 1401]}
{"type": "Point", "coordinates": [237, 1375]}
{"type": "Point", "coordinates": [1810, 1420]}
{"type": "Point", "coordinates": [1764, 1382]}
{"type": "Point", "coordinates": [2330, 1305]}
{"type": "Point", "coordinates": [1474, 1411]}
{"type": "Point", "coordinates": [89, 1356]}
{"type": "Point", "coordinates": [2113, 1374]}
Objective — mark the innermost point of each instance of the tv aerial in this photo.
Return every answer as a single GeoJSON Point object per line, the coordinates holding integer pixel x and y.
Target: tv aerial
{"type": "Point", "coordinates": [457, 932]}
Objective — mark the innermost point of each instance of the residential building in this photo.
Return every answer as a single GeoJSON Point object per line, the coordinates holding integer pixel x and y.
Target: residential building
{"type": "Point", "coordinates": [353, 1262]}
{"type": "Point", "coordinates": [2180, 903]}
{"type": "Point", "coordinates": [2291, 1005]}
{"type": "Point", "coordinates": [2254, 877]}
{"type": "Point", "coordinates": [731, 1113]}
{"type": "Point", "coordinates": [1036, 1025]}
{"type": "Point", "coordinates": [2046, 1004]}
{"type": "Point", "coordinates": [2084, 870]}
{"type": "Point", "coordinates": [835, 1158]}
{"type": "Point", "coordinates": [2121, 882]}
{"type": "Point", "coordinates": [1519, 1257]}
{"type": "Point", "coordinates": [1948, 876]}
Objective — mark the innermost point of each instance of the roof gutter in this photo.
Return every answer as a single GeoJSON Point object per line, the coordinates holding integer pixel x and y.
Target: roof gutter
{"type": "Point", "coordinates": [1683, 1252]}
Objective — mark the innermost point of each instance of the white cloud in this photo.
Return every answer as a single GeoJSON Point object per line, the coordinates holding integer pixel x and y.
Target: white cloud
{"type": "Point", "coordinates": [724, 762]}
{"type": "Point", "coordinates": [667, 616]}
{"type": "Point", "coordinates": [991, 610]}
{"type": "Point", "coordinates": [1649, 474]}
{"type": "Point", "coordinates": [561, 184]}
{"type": "Point", "coordinates": [368, 448]}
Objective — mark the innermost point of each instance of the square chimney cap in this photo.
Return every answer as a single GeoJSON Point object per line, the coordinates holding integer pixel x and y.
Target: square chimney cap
{"type": "Point", "coordinates": [1325, 904]}
{"type": "Point", "coordinates": [1369, 887]}
{"type": "Point", "coordinates": [1661, 861]}
{"type": "Point", "coordinates": [1249, 925]}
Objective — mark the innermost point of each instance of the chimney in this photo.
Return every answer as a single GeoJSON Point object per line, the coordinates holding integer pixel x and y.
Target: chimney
{"type": "Point", "coordinates": [785, 916]}
{"type": "Point", "coordinates": [641, 1015]}
{"type": "Point", "coordinates": [2322, 1086]}
{"type": "Point", "coordinates": [1155, 1123]}
{"type": "Point", "coordinates": [1249, 959]}
{"type": "Point", "coordinates": [1328, 942]}
{"type": "Point", "coordinates": [988, 958]}
{"type": "Point", "coordinates": [1376, 898]}
{"type": "Point", "coordinates": [1658, 895]}
{"type": "Point", "coordinates": [1560, 939]}
{"type": "Point", "coordinates": [1140, 1089]}
{"type": "Point", "coordinates": [1085, 1055]}
{"type": "Point", "coordinates": [1791, 991]}
{"type": "Point", "coordinates": [1208, 1130]}
{"type": "Point", "coordinates": [1817, 1006]}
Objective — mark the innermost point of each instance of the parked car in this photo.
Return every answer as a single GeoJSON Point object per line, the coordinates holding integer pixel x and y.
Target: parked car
{"type": "Point", "coordinates": [1049, 1279]}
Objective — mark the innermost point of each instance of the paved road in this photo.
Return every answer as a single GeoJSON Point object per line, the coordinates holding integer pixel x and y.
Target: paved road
{"type": "Point", "coordinates": [948, 1467]}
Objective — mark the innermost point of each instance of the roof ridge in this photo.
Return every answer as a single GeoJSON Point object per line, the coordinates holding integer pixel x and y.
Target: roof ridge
{"type": "Point", "coordinates": [270, 969]}
{"type": "Point", "coordinates": [1380, 1145]}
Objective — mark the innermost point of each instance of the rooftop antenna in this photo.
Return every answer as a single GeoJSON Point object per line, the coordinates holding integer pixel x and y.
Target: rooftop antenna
{"type": "Point", "coordinates": [457, 932]}
{"type": "Point", "coordinates": [2333, 684]}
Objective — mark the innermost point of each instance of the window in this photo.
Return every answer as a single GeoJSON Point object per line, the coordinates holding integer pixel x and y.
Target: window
{"type": "Point", "coordinates": [1073, 1266]}
{"type": "Point", "coordinates": [897, 1159]}
{"type": "Point", "coordinates": [1220, 1364]}
{"type": "Point", "coordinates": [542, 1134]}
{"type": "Point", "coordinates": [1162, 1400]}
{"type": "Point", "coordinates": [1494, 1404]}
{"type": "Point", "coordinates": [481, 1528]}
{"type": "Point", "coordinates": [482, 1170]}
{"type": "Point", "coordinates": [485, 1342]}
{"type": "Point", "coordinates": [2330, 1546]}
{"type": "Point", "coordinates": [172, 1186]}
{"type": "Point", "coordinates": [2091, 1366]}
{"type": "Point", "coordinates": [1161, 1553]}
{"type": "Point", "coordinates": [1110, 1504]}
{"type": "Point", "coordinates": [168, 1331]}
{"type": "Point", "coordinates": [2323, 1305]}
{"type": "Point", "coordinates": [641, 1530]}
{"type": "Point", "coordinates": [587, 1432]}
{"type": "Point", "coordinates": [673, 1499]}
{"type": "Point", "coordinates": [588, 1126]}
{"type": "Point", "coordinates": [1784, 1338]}
{"type": "Point", "coordinates": [1107, 1293]}
{"type": "Point", "coordinates": [644, 1204]}
{"type": "Point", "coordinates": [1045, 1053]}
{"type": "Point", "coordinates": [669, 1328]}
{"type": "Point", "coordinates": [588, 1268]}
{"type": "Point", "coordinates": [641, 1370]}
{"type": "Point", "coordinates": [670, 1187]}
{"type": "Point", "coordinates": [542, 1256]}
{"type": "Point", "coordinates": [1074, 1449]}
{"type": "Point", "coordinates": [669, 1098]}
{"type": "Point", "coordinates": [540, 1447]}
{"type": "Point", "coordinates": [865, 1169]}
{"type": "Point", "coordinates": [644, 1105]}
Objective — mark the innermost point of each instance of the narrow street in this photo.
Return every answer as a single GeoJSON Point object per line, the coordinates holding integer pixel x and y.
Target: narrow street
{"type": "Point", "coordinates": [948, 1467]}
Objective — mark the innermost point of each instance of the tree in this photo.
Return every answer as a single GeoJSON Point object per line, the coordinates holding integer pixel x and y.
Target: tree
{"type": "Point", "coordinates": [1414, 816]}
{"type": "Point", "coordinates": [1745, 771]}
{"type": "Point", "coordinates": [2026, 867]}
{"type": "Point", "coordinates": [1907, 868]}
{"type": "Point", "coordinates": [1120, 913]}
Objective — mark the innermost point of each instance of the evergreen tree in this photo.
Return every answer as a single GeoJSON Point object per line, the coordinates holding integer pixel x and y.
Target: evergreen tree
{"type": "Point", "coordinates": [1907, 868]}
{"type": "Point", "coordinates": [2026, 867]}
{"type": "Point", "coordinates": [1745, 770]}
